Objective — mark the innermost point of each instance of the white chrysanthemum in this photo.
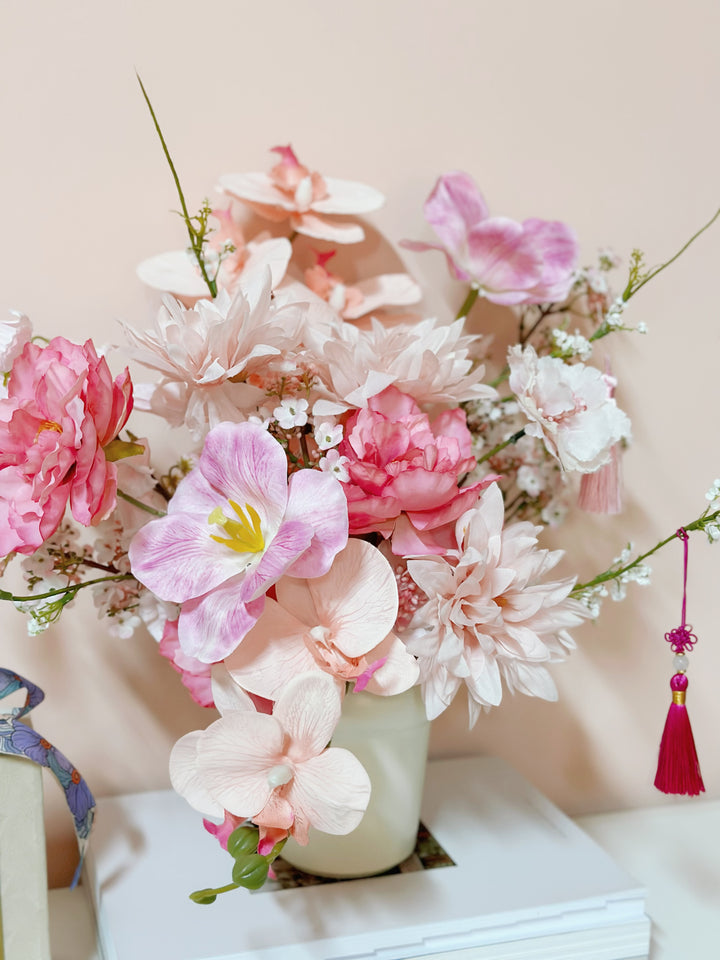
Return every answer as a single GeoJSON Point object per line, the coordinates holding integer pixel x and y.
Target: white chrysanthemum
{"type": "Point", "coordinates": [206, 354]}
{"type": "Point", "coordinates": [490, 617]}
{"type": "Point", "coordinates": [569, 406]}
{"type": "Point", "coordinates": [429, 361]}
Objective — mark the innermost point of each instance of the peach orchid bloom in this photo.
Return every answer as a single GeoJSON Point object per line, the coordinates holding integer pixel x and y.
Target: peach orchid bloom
{"type": "Point", "coordinates": [177, 271]}
{"type": "Point", "coordinates": [352, 301]}
{"type": "Point", "coordinates": [339, 623]}
{"type": "Point", "coordinates": [275, 769]}
{"type": "Point", "coordinates": [292, 192]}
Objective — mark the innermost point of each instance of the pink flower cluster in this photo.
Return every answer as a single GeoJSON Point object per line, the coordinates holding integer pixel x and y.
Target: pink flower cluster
{"type": "Point", "coordinates": [62, 409]}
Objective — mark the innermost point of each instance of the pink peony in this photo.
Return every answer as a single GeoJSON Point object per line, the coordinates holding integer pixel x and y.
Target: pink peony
{"type": "Point", "coordinates": [404, 472]}
{"type": "Point", "coordinates": [510, 262]}
{"type": "Point", "coordinates": [491, 615]}
{"type": "Point", "coordinates": [291, 191]}
{"type": "Point", "coordinates": [15, 332]}
{"type": "Point", "coordinates": [234, 527]}
{"type": "Point", "coordinates": [62, 408]}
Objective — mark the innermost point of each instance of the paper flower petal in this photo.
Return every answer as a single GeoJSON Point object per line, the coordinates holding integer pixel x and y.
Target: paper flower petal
{"type": "Point", "coordinates": [332, 790]}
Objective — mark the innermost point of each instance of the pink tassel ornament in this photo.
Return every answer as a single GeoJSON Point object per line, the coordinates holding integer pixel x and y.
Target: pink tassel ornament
{"type": "Point", "coordinates": [601, 492]}
{"type": "Point", "coordinates": [678, 770]}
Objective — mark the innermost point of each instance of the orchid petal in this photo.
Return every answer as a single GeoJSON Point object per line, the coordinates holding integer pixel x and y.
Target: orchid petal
{"type": "Point", "coordinates": [319, 229]}
{"type": "Point", "coordinates": [228, 696]}
{"type": "Point", "coordinates": [332, 790]}
{"type": "Point", "coordinates": [357, 599]}
{"type": "Point", "coordinates": [210, 627]}
{"type": "Point", "coordinates": [176, 558]}
{"type": "Point", "coordinates": [453, 207]}
{"type": "Point", "coordinates": [185, 777]}
{"type": "Point", "coordinates": [173, 272]}
{"type": "Point", "coordinates": [348, 197]}
{"type": "Point", "coordinates": [238, 751]}
{"type": "Point", "coordinates": [308, 710]}
{"type": "Point", "coordinates": [319, 500]}
{"type": "Point", "coordinates": [272, 653]}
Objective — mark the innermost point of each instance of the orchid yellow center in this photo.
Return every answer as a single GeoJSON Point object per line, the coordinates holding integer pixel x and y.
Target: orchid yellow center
{"type": "Point", "coordinates": [244, 535]}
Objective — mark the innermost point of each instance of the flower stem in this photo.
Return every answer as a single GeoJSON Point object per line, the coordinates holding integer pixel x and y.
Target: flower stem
{"type": "Point", "coordinates": [138, 503]}
{"type": "Point", "coordinates": [501, 446]}
{"type": "Point", "coordinates": [72, 588]}
{"type": "Point", "coordinates": [631, 289]}
{"type": "Point", "coordinates": [704, 520]}
{"type": "Point", "coordinates": [468, 303]}
{"type": "Point", "coordinates": [196, 242]}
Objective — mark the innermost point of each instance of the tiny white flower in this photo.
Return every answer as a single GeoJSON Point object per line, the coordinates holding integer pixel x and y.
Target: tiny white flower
{"type": "Point", "coordinates": [291, 413]}
{"type": "Point", "coordinates": [641, 327]}
{"type": "Point", "coordinates": [529, 480]}
{"type": "Point", "coordinates": [713, 532]}
{"type": "Point", "coordinates": [328, 435]}
{"type": "Point", "coordinates": [335, 464]}
{"type": "Point", "coordinates": [263, 417]}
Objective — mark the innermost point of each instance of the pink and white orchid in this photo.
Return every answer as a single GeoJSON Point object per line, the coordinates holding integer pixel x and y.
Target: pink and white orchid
{"type": "Point", "coordinates": [177, 271]}
{"type": "Point", "coordinates": [509, 262]}
{"type": "Point", "coordinates": [234, 527]}
{"type": "Point", "coordinates": [571, 408]}
{"type": "Point", "coordinates": [276, 770]}
{"type": "Point", "coordinates": [292, 192]}
{"type": "Point", "coordinates": [490, 614]}
{"type": "Point", "coordinates": [339, 623]}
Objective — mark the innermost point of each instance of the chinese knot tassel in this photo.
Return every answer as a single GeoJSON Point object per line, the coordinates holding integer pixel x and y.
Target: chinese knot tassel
{"type": "Point", "coordinates": [678, 767]}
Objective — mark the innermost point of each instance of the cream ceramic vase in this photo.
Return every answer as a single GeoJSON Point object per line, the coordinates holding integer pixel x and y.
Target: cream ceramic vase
{"type": "Point", "coordinates": [389, 736]}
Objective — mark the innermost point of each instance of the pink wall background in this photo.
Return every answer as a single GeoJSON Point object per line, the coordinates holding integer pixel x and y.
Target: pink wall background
{"type": "Point", "coordinates": [602, 115]}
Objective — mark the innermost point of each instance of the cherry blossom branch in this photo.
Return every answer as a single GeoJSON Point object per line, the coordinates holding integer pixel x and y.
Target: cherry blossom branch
{"type": "Point", "coordinates": [701, 523]}
{"type": "Point", "coordinates": [71, 589]}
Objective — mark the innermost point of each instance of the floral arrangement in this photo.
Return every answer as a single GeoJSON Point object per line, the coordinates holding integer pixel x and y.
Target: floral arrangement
{"type": "Point", "coordinates": [359, 500]}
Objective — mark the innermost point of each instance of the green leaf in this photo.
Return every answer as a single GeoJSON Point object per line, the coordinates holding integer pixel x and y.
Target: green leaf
{"type": "Point", "coordinates": [119, 449]}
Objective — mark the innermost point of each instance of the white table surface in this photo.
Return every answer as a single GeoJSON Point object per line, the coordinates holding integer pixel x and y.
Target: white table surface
{"type": "Point", "coordinates": [673, 850]}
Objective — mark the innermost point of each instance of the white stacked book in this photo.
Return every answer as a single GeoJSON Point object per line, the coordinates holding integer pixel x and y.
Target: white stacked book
{"type": "Point", "coordinates": [526, 883]}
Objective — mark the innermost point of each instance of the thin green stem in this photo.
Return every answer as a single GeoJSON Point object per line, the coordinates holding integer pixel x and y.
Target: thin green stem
{"type": "Point", "coordinates": [631, 290]}
{"type": "Point", "coordinates": [138, 503]}
{"type": "Point", "coordinates": [60, 591]}
{"type": "Point", "coordinates": [501, 446]}
{"type": "Point", "coordinates": [467, 303]}
{"type": "Point", "coordinates": [702, 521]}
{"type": "Point", "coordinates": [194, 243]}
